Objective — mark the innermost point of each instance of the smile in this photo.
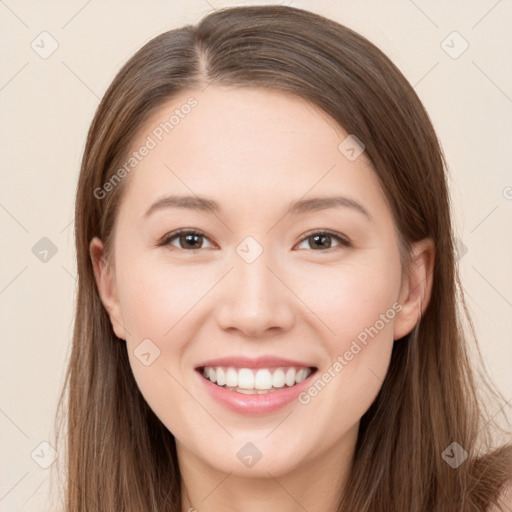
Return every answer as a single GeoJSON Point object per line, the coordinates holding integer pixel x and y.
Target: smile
{"type": "Point", "coordinates": [255, 391]}
{"type": "Point", "coordinates": [253, 381]}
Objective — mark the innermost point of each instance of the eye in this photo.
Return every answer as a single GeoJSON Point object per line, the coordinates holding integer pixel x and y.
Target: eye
{"type": "Point", "coordinates": [187, 239]}
{"type": "Point", "coordinates": [192, 240]}
{"type": "Point", "coordinates": [320, 239]}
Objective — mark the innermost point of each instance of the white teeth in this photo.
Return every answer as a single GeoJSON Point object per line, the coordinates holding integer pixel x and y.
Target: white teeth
{"type": "Point", "coordinates": [301, 375]}
{"type": "Point", "coordinates": [278, 378]}
{"type": "Point", "coordinates": [255, 381]}
{"type": "Point", "coordinates": [289, 378]}
{"type": "Point", "coordinates": [245, 378]}
{"type": "Point", "coordinates": [263, 379]}
{"type": "Point", "coordinates": [231, 378]}
{"type": "Point", "coordinates": [221, 376]}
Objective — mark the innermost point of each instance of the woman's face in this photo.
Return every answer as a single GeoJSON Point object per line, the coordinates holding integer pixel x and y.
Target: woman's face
{"type": "Point", "coordinates": [258, 285]}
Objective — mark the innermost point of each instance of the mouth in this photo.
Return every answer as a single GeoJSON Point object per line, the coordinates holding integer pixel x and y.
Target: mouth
{"type": "Point", "coordinates": [256, 381]}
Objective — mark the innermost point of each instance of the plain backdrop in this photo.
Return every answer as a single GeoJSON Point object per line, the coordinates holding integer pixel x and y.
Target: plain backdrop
{"type": "Point", "coordinates": [455, 54]}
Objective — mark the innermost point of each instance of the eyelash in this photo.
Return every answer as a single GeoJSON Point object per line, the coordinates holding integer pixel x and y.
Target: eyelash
{"type": "Point", "coordinates": [343, 242]}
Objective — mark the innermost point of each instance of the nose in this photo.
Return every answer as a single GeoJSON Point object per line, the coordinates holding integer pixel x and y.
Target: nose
{"type": "Point", "coordinates": [255, 299]}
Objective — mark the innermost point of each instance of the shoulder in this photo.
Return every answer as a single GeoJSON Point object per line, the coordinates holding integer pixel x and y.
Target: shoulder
{"type": "Point", "coordinates": [505, 499]}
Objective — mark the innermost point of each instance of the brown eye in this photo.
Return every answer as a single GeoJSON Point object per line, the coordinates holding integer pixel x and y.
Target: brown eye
{"type": "Point", "coordinates": [322, 240]}
{"type": "Point", "coordinates": [193, 240]}
{"type": "Point", "coordinates": [187, 239]}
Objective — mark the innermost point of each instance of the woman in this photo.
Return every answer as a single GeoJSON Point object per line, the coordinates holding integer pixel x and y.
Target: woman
{"type": "Point", "coordinates": [267, 305]}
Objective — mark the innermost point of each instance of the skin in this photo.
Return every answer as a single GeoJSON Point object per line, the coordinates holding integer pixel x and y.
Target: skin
{"type": "Point", "coordinates": [255, 151]}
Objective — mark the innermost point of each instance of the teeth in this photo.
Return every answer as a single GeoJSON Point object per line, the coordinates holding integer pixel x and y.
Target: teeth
{"type": "Point", "coordinates": [245, 378]}
{"type": "Point", "coordinates": [289, 378]}
{"type": "Point", "coordinates": [255, 381]}
{"type": "Point", "coordinates": [278, 378]}
{"type": "Point", "coordinates": [231, 378]}
{"type": "Point", "coordinates": [302, 374]}
{"type": "Point", "coordinates": [263, 379]}
{"type": "Point", "coordinates": [221, 376]}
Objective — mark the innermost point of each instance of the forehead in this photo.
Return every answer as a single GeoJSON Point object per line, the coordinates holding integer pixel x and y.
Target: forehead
{"type": "Point", "coordinates": [244, 145]}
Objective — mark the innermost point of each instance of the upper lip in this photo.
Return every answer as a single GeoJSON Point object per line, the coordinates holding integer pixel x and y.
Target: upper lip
{"type": "Point", "coordinates": [258, 362]}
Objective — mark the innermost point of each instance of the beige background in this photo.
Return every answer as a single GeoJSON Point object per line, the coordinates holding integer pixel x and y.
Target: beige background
{"type": "Point", "coordinates": [47, 105]}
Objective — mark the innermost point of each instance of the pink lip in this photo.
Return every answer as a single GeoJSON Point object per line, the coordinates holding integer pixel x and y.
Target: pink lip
{"type": "Point", "coordinates": [254, 404]}
{"type": "Point", "coordinates": [259, 362]}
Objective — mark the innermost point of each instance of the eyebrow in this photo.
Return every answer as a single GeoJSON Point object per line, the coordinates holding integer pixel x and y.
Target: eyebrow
{"type": "Point", "coordinates": [298, 207]}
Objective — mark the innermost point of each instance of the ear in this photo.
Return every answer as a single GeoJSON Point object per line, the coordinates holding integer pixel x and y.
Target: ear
{"type": "Point", "coordinates": [105, 281]}
{"type": "Point", "coordinates": [416, 287]}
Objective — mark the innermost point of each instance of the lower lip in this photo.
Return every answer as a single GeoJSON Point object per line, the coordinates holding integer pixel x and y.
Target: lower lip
{"type": "Point", "coordinates": [254, 404]}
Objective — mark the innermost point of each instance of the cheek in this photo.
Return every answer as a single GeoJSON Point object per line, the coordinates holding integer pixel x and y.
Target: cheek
{"type": "Point", "coordinates": [352, 297]}
{"type": "Point", "coordinates": [155, 303]}
{"type": "Point", "coordinates": [156, 298]}
{"type": "Point", "coordinates": [358, 304]}
{"type": "Point", "coordinates": [155, 306]}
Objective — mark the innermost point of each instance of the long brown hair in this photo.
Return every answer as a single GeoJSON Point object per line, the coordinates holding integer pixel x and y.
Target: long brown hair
{"type": "Point", "coordinates": [119, 455]}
